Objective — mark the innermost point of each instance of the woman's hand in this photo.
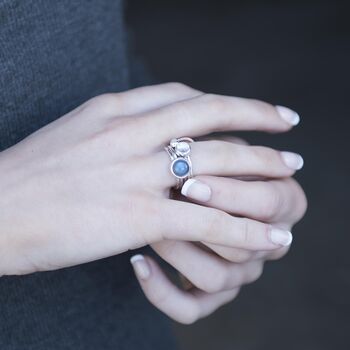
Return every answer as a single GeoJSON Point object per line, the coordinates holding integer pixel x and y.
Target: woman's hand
{"type": "Point", "coordinates": [218, 272]}
{"type": "Point", "coordinates": [217, 277]}
{"type": "Point", "coordinates": [96, 182]}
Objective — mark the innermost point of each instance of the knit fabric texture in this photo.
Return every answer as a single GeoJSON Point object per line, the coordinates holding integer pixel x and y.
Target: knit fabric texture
{"type": "Point", "coordinates": [54, 55]}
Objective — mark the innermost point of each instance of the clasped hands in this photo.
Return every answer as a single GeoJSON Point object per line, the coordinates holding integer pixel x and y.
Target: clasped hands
{"type": "Point", "coordinates": [101, 182]}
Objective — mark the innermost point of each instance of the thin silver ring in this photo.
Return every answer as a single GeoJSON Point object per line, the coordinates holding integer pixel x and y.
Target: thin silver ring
{"type": "Point", "coordinates": [179, 150]}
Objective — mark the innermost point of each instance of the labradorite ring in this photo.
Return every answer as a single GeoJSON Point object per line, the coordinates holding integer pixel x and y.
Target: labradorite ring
{"type": "Point", "coordinates": [179, 152]}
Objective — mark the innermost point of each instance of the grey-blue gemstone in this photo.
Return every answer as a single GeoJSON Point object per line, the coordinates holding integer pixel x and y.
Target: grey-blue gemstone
{"type": "Point", "coordinates": [180, 167]}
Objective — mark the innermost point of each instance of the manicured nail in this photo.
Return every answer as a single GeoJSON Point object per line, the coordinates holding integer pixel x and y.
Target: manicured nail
{"type": "Point", "coordinates": [288, 115]}
{"type": "Point", "coordinates": [140, 266]}
{"type": "Point", "coordinates": [292, 160]}
{"type": "Point", "coordinates": [197, 190]}
{"type": "Point", "coordinates": [280, 237]}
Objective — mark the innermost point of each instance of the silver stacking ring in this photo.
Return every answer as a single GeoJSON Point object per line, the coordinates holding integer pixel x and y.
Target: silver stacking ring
{"type": "Point", "coordinates": [181, 166]}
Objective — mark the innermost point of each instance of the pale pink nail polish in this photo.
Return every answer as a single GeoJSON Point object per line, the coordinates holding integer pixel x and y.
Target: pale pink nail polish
{"type": "Point", "coordinates": [281, 237]}
{"type": "Point", "coordinates": [292, 160]}
{"type": "Point", "coordinates": [197, 190]}
{"type": "Point", "coordinates": [288, 115]}
{"type": "Point", "coordinates": [141, 267]}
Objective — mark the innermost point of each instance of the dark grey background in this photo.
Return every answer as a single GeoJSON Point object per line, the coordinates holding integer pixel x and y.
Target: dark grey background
{"type": "Point", "coordinates": [293, 53]}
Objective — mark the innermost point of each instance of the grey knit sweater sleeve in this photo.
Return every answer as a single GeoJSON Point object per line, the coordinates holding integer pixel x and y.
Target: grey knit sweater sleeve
{"type": "Point", "coordinates": [54, 55]}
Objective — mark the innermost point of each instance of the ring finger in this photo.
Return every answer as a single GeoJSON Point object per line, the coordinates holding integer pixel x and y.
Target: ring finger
{"type": "Point", "coordinates": [228, 159]}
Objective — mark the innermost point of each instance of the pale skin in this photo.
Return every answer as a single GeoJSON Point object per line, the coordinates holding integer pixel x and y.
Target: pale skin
{"type": "Point", "coordinates": [96, 183]}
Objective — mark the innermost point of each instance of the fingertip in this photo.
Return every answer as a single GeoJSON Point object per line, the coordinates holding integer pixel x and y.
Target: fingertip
{"type": "Point", "coordinates": [196, 190]}
{"type": "Point", "coordinates": [163, 293]}
{"type": "Point", "coordinates": [292, 160]}
{"type": "Point", "coordinates": [141, 267]}
{"type": "Point", "coordinates": [288, 115]}
{"type": "Point", "coordinates": [279, 237]}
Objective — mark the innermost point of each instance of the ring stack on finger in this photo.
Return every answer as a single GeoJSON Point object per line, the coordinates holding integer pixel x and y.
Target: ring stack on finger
{"type": "Point", "coordinates": [181, 166]}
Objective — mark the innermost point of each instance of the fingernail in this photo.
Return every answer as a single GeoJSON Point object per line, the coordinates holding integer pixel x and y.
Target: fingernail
{"type": "Point", "coordinates": [288, 115]}
{"type": "Point", "coordinates": [140, 266]}
{"type": "Point", "coordinates": [197, 190]}
{"type": "Point", "coordinates": [292, 160]}
{"type": "Point", "coordinates": [280, 237]}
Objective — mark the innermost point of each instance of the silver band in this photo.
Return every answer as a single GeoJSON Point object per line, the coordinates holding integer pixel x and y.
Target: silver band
{"type": "Point", "coordinates": [181, 166]}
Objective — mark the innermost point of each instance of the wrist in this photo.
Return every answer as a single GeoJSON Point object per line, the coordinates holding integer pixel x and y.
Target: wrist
{"type": "Point", "coordinates": [11, 221]}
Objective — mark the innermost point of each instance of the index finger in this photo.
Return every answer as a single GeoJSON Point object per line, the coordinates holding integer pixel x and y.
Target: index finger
{"type": "Point", "coordinates": [209, 113]}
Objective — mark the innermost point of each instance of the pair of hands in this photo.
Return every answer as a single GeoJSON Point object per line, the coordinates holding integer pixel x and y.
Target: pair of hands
{"type": "Point", "coordinates": [96, 183]}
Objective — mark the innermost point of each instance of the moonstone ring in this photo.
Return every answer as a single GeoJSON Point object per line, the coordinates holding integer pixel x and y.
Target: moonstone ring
{"type": "Point", "coordinates": [181, 167]}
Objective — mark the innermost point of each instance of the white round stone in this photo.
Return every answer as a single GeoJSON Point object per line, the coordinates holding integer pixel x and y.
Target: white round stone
{"type": "Point", "coordinates": [183, 148]}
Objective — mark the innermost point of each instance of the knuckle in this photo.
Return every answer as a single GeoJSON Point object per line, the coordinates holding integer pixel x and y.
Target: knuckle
{"type": "Point", "coordinates": [303, 205]}
{"type": "Point", "coordinates": [178, 87]}
{"type": "Point", "coordinates": [295, 200]}
{"type": "Point", "coordinates": [250, 233]}
{"type": "Point", "coordinates": [108, 103]}
{"type": "Point", "coordinates": [180, 109]}
{"type": "Point", "coordinates": [219, 282]}
{"type": "Point", "coordinates": [265, 154]}
{"type": "Point", "coordinates": [245, 231]}
{"type": "Point", "coordinates": [214, 103]}
{"type": "Point", "coordinates": [212, 224]}
{"type": "Point", "coordinates": [301, 202]}
{"type": "Point", "coordinates": [222, 151]}
{"type": "Point", "coordinates": [158, 298]}
{"type": "Point", "coordinates": [216, 281]}
{"type": "Point", "coordinates": [255, 273]}
{"type": "Point", "coordinates": [262, 108]}
{"type": "Point", "coordinates": [216, 147]}
{"type": "Point", "coordinates": [260, 152]}
{"type": "Point", "coordinates": [271, 204]}
{"type": "Point", "coordinates": [267, 159]}
{"type": "Point", "coordinates": [191, 315]}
